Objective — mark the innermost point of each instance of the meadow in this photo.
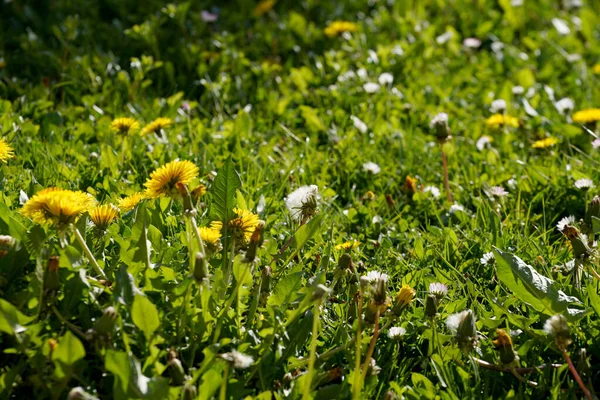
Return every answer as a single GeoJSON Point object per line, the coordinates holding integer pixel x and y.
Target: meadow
{"type": "Point", "coordinates": [383, 199]}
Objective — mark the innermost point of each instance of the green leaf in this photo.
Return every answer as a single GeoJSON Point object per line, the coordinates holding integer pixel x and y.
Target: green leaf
{"type": "Point", "coordinates": [224, 192]}
{"type": "Point", "coordinates": [592, 289]}
{"type": "Point", "coordinates": [285, 289]}
{"type": "Point", "coordinates": [145, 315]}
{"type": "Point", "coordinates": [12, 321]}
{"type": "Point", "coordinates": [69, 350]}
{"type": "Point", "coordinates": [540, 292]}
{"type": "Point", "coordinates": [307, 231]}
{"type": "Point", "coordinates": [139, 237]}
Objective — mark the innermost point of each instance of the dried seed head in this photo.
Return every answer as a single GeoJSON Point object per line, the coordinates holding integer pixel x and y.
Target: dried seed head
{"type": "Point", "coordinates": [462, 325]}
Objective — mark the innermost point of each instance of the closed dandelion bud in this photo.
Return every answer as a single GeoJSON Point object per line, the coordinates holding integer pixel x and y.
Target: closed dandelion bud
{"type": "Point", "coordinates": [594, 209]}
{"type": "Point", "coordinates": [503, 344]}
{"type": "Point", "coordinates": [256, 241]}
{"type": "Point", "coordinates": [403, 299]}
{"type": "Point", "coordinates": [189, 392]}
{"type": "Point", "coordinates": [7, 242]}
{"type": "Point", "coordinates": [183, 190]}
{"type": "Point", "coordinates": [320, 291]}
{"type": "Point", "coordinates": [462, 325]}
{"type": "Point", "coordinates": [580, 246]}
{"type": "Point", "coordinates": [431, 305]}
{"type": "Point", "coordinates": [373, 307]}
{"type": "Point", "coordinates": [439, 126]}
{"type": "Point", "coordinates": [410, 184]}
{"type": "Point", "coordinates": [198, 192]}
{"type": "Point", "coordinates": [558, 327]}
{"type": "Point", "coordinates": [51, 279]}
{"type": "Point", "coordinates": [389, 395]}
{"type": "Point", "coordinates": [106, 324]}
{"type": "Point", "coordinates": [200, 268]}
{"type": "Point", "coordinates": [345, 262]}
{"type": "Point", "coordinates": [176, 371]}
{"type": "Point", "coordinates": [77, 393]}
{"type": "Point", "coordinates": [266, 275]}
{"type": "Point", "coordinates": [52, 344]}
{"type": "Point", "coordinates": [380, 291]}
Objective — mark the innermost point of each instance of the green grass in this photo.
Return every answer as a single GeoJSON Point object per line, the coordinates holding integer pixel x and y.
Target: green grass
{"type": "Point", "coordinates": [263, 105]}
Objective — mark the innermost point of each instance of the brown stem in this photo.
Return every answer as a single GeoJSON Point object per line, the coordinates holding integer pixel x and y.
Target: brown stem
{"type": "Point", "coordinates": [446, 184]}
{"type": "Point", "coordinates": [575, 374]}
{"type": "Point", "coordinates": [526, 370]}
{"type": "Point", "coordinates": [371, 345]}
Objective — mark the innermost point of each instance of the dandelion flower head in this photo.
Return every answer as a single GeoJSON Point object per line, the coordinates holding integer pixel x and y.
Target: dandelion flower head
{"type": "Point", "coordinates": [124, 126]}
{"type": "Point", "coordinates": [57, 206]}
{"type": "Point", "coordinates": [163, 181]}
{"type": "Point", "coordinates": [6, 152]}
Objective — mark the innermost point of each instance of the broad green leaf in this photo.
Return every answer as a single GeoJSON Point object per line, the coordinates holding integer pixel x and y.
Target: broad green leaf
{"type": "Point", "coordinates": [592, 289]}
{"type": "Point", "coordinates": [535, 289]}
{"type": "Point", "coordinates": [12, 321]}
{"type": "Point", "coordinates": [145, 315]}
{"type": "Point", "coordinates": [285, 289]}
{"type": "Point", "coordinates": [307, 231]}
{"type": "Point", "coordinates": [224, 192]}
{"type": "Point", "coordinates": [139, 236]}
{"type": "Point", "coordinates": [69, 350]}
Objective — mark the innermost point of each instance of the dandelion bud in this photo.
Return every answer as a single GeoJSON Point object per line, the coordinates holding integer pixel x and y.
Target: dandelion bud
{"type": "Point", "coordinates": [256, 241]}
{"type": "Point", "coordinates": [369, 196]}
{"type": "Point", "coordinates": [380, 291]}
{"type": "Point", "coordinates": [593, 210]}
{"type": "Point", "coordinates": [106, 323]}
{"type": "Point", "coordinates": [503, 344]}
{"type": "Point", "coordinates": [198, 192]}
{"type": "Point", "coordinates": [320, 291]}
{"type": "Point", "coordinates": [373, 368]}
{"type": "Point", "coordinates": [558, 327]}
{"type": "Point", "coordinates": [390, 200]}
{"type": "Point", "coordinates": [176, 370]}
{"type": "Point", "coordinates": [462, 325]}
{"type": "Point", "coordinates": [373, 307]}
{"type": "Point", "coordinates": [7, 242]}
{"type": "Point", "coordinates": [403, 299]}
{"type": "Point", "coordinates": [77, 393]}
{"type": "Point", "coordinates": [439, 126]}
{"type": "Point", "coordinates": [200, 268]}
{"type": "Point", "coordinates": [266, 275]}
{"type": "Point", "coordinates": [189, 392]}
{"type": "Point", "coordinates": [345, 262]}
{"type": "Point", "coordinates": [431, 306]}
{"type": "Point", "coordinates": [410, 184]}
{"type": "Point", "coordinates": [183, 190]}
{"type": "Point", "coordinates": [390, 395]}
{"type": "Point", "coordinates": [51, 278]}
{"type": "Point", "coordinates": [580, 246]}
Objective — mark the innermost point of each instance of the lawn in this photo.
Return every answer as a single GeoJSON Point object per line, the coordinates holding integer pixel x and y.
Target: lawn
{"type": "Point", "coordinates": [383, 199]}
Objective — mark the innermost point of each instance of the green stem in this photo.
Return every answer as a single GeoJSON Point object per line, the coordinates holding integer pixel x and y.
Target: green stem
{"type": "Point", "coordinates": [198, 237]}
{"type": "Point", "coordinates": [313, 350]}
{"type": "Point", "coordinates": [223, 392]}
{"type": "Point", "coordinates": [446, 183]}
{"type": "Point", "coordinates": [371, 346]}
{"type": "Point", "coordinates": [356, 389]}
{"type": "Point", "coordinates": [227, 306]}
{"type": "Point", "coordinates": [88, 253]}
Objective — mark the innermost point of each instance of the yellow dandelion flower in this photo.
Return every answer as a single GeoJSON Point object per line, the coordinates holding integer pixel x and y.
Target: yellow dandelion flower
{"type": "Point", "coordinates": [6, 151]}
{"type": "Point", "coordinates": [410, 184]}
{"type": "Point", "coordinates": [211, 238]}
{"type": "Point", "coordinates": [163, 181]}
{"type": "Point", "coordinates": [57, 206]}
{"type": "Point", "coordinates": [544, 143]}
{"type": "Point", "coordinates": [499, 120]}
{"type": "Point", "coordinates": [103, 216]}
{"type": "Point", "coordinates": [198, 192]}
{"type": "Point", "coordinates": [587, 116]}
{"type": "Point", "coordinates": [124, 126]}
{"type": "Point", "coordinates": [242, 226]}
{"type": "Point", "coordinates": [129, 202]}
{"type": "Point", "coordinates": [156, 125]}
{"type": "Point", "coordinates": [338, 27]}
{"type": "Point", "coordinates": [348, 245]}
{"type": "Point", "coordinates": [405, 295]}
{"type": "Point", "coordinates": [263, 7]}
{"type": "Point", "coordinates": [596, 69]}
{"type": "Point", "coordinates": [503, 339]}
{"type": "Point", "coordinates": [369, 196]}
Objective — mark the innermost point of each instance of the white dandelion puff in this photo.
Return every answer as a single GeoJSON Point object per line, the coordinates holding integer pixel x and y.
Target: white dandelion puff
{"type": "Point", "coordinates": [359, 124]}
{"type": "Point", "coordinates": [396, 332]}
{"type": "Point", "coordinates": [584, 184]}
{"type": "Point", "coordinates": [302, 203]}
{"type": "Point", "coordinates": [371, 167]}
{"type": "Point", "coordinates": [487, 258]}
{"type": "Point", "coordinates": [562, 224]}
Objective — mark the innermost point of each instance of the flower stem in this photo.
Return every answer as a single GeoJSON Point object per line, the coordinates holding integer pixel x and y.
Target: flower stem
{"type": "Point", "coordinates": [88, 253]}
{"type": "Point", "coordinates": [371, 346]}
{"type": "Point", "coordinates": [446, 183]}
{"type": "Point", "coordinates": [223, 391]}
{"type": "Point", "coordinates": [356, 389]}
{"type": "Point", "coordinates": [198, 237]}
{"type": "Point", "coordinates": [313, 350]}
{"type": "Point", "coordinates": [575, 374]}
